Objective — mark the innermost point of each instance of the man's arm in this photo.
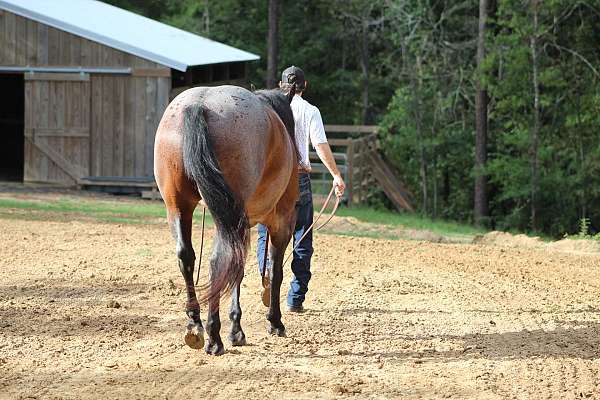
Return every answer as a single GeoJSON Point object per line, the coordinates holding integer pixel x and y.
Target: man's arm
{"type": "Point", "coordinates": [324, 153]}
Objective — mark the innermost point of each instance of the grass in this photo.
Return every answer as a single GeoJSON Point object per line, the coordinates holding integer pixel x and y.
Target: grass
{"type": "Point", "coordinates": [139, 212]}
{"type": "Point", "coordinates": [91, 207]}
{"type": "Point", "coordinates": [103, 211]}
{"type": "Point", "coordinates": [409, 221]}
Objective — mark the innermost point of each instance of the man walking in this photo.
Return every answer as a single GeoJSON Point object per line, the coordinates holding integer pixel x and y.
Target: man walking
{"type": "Point", "coordinates": [309, 127]}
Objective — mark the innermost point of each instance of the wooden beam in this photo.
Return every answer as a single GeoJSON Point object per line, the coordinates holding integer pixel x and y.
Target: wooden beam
{"type": "Point", "coordinates": [337, 156]}
{"type": "Point", "coordinates": [151, 72]}
{"type": "Point", "coordinates": [50, 76]}
{"type": "Point", "coordinates": [350, 173]}
{"type": "Point", "coordinates": [116, 182]}
{"type": "Point", "coordinates": [364, 129]}
{"type": "Point", "coordinates": [73, 171]}
{"type": "Point", "coordinates": [339, 142]}
{"type": "Point", "coordinates": [58, 132]}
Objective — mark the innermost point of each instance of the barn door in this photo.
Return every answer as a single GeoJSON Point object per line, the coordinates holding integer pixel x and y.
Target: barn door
{"type": "Point", "coordinates": [57, 127]}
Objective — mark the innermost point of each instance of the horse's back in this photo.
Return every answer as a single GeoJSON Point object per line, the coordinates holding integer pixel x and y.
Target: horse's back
{"type": "Point", "coordinates": [243, 132]}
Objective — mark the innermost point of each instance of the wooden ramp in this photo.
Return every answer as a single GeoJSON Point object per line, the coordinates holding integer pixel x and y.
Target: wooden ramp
{"type": "Point", "coordinates": [389, 182]}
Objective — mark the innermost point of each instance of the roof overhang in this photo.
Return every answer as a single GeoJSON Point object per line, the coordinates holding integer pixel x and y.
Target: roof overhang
{"type": "Point", "coordinates": [128, 32]}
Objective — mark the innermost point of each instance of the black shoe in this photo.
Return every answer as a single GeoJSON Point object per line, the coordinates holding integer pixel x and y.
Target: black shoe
{"type": "Point", "coordinates": [296, 309]}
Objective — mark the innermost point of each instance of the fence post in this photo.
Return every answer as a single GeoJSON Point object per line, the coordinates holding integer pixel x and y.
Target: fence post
{"type": "Point", "coordinates": [350, 170]}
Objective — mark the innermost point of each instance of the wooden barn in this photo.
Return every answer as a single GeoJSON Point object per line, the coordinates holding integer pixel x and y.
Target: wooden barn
{"type": "Point", "coordinates": [84, 84]}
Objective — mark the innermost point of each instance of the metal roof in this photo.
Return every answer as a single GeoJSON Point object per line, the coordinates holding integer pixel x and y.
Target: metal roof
{"type": "Point", "coordinates": [127, 31]}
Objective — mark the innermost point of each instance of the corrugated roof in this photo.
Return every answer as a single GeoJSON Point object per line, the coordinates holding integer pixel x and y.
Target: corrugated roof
{"type": "Point", "coordinates": [127, 31]}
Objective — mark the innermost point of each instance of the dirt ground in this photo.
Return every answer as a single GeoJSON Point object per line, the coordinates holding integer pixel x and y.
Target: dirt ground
{"type": "Point", "coordinates": [92, 310]}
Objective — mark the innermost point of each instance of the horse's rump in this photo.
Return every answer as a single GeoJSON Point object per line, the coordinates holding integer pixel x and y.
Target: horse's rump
{"type": "Point", "coordinates": [236, 153]}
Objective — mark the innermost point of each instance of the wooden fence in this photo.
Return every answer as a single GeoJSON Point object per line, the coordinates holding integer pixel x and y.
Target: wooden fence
{"type": "Point", "coordinates": [356, 152]}
{"type": "Point", "coordinates": [350, 156]}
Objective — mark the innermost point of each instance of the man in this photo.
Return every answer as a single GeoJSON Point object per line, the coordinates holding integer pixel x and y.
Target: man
{"type": "Point", "coordinates": [308, 126]}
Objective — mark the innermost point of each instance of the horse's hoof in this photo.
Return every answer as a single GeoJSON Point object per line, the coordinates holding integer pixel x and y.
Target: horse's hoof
{"type": "Point", "coordinates": [266, 296]}
{"type": "Point", "coordinates": [214, 349]}
{"type": "Point", "coordinates": [237, 339]}
{"type": "Point", "coordinates": [277, 330]}
{"type": "Point", "coordinates": [194, 336]}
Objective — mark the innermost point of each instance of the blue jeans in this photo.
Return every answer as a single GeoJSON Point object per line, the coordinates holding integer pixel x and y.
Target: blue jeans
{"type": "Point", "coordinates": [302, 255]}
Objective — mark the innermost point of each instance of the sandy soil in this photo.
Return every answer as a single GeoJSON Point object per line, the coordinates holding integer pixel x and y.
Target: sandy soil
{"type": "Point", "coordinates": [92, 310]}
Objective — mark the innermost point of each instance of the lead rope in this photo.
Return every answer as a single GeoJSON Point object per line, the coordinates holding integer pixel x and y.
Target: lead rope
{"type": "Point", "coordinates": [335, 207]}
{"type": "Point", "coordinates": [201, 245]}
{"type": "Point", "coordinates": [266, 294]}
{"type": "Point", "coordinates": [266, 252]}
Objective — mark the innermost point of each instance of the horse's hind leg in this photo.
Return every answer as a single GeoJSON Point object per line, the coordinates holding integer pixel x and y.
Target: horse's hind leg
{"type": "Point", "coordinates": [214, 345]}
{"type": "Point", "coordinates": [236, 336]}
{"type": "Point", "coordinates": [280, 238]}
{"type": "Point", "coordinates": [280, 226]}
{"type": "Point", "coordinates": [180, 222]}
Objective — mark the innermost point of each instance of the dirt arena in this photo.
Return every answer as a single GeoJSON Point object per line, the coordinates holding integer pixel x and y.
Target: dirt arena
{"type": "Point", "coordinates": [95, 310]}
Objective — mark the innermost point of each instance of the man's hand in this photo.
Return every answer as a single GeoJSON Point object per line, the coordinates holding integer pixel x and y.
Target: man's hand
{"type": "Point", "coordinates": [339, 185]}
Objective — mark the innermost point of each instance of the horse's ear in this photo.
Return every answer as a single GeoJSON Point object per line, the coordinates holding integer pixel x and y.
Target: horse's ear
{"type": "Point", "coordinates": [252, 88]}
{"type": "Point", "coordinates": [291, 93]}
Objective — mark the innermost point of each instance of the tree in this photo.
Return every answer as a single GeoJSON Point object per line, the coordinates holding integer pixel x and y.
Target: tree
{"type": "Point", "coordinates": [413, 67]}
{"type": "Point", "coordinates": [481, 123]}
{"type": "Point", "coordinates": [535, 131]}
{"type": "Point", "coordinates": [363, 20]}
{"type": "Point", "coordinates": [272, 43]}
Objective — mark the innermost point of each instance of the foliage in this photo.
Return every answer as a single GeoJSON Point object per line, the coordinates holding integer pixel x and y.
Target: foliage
{"type": "Point", "coordinates": [409, 65]}
{"type": "Point", "coordinates": [568, 149]}
{"type": "Point", "coordinates": [584, 227]}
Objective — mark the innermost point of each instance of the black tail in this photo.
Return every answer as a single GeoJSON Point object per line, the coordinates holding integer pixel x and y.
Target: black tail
{"type": "Point", "coordinates": [228, 212]}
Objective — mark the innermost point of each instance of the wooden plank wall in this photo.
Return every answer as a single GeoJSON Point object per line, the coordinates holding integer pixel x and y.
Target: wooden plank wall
{"type": "Point", "coordinates": [56, 130]}
{"type": "Point", "coordinates": [26, 42]}
{"type": "Point", "coordinates": [125, 114]}
{"type": "Point", "coordinates": [125, 110]}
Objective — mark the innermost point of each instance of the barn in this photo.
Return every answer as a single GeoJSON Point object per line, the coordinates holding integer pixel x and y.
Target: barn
{"type": "Point", "coordinates": [83, 85]}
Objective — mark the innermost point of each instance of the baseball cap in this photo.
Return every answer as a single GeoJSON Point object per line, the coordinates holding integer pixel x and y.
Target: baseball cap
{"type": "Point", "coordinates": [293, 75]}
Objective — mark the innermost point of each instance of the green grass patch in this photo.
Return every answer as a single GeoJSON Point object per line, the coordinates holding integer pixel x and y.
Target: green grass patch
{"type": "Point", "coordinates": [85, 206]}
{"type": "Point", "coordinates": [103, 211]}
{"type": "Point", "coordinates": [139, 212]}
{"type": "Point", "coordinates": [409, 221]}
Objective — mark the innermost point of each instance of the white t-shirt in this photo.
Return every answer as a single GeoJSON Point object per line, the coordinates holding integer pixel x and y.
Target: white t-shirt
{"type": "Point", "coordinates": [308, 124]}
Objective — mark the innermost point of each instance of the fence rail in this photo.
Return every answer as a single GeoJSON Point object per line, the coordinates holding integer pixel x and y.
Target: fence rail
{"type": "Point", "coordinates": [351, 156]}
{"type": "Point", "coordinates": [362, 166]}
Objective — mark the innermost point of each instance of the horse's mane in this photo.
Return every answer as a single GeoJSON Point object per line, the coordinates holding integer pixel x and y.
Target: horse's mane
{"type": "Point", "coordinates": [279, 102]}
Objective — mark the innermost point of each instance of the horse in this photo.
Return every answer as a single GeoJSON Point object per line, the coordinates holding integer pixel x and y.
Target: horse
{"type": "Point", "coordinates": [233, 151]}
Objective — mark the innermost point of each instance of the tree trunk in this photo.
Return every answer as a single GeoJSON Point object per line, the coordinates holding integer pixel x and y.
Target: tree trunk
{"type": "Point", "coordinates": [481, 124]}
{"type": "Point", "coordinates": [534, 161]}
{"type": "Point", "coordinates": [272, 44]}
{"type": "Point", "coordinates": [417, 84]}
{"type": "Point", "coordinates": [578, 141]}
{"type": "Point", "coordinates": [206, 19]}
{"type": "Point", "coordinates": [435, 185]}
{"type": "Point", "coordinates": [434, 153]}
{"type": "Point", "coordinates": [364, 65]}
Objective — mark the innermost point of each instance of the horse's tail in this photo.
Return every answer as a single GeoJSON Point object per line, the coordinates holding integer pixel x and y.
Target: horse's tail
{"type": "Point", "coordinates": [232, 237]}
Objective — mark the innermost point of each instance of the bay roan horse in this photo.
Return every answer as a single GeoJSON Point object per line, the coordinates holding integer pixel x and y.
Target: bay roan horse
{"type": "Point", "coordinates": [235, 151]}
